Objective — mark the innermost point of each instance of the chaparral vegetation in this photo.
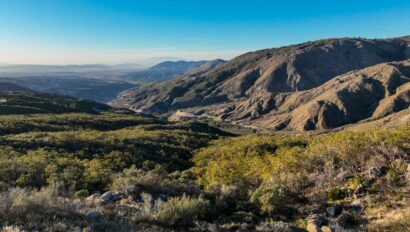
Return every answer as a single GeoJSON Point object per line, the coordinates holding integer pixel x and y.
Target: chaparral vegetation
{"type": "Point", "coordinates": [130, 172]}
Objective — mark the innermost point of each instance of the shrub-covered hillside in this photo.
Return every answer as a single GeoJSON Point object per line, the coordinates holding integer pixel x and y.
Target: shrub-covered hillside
{"type": "Point", "coordinates": [85, 151]}
{"type": "Point", "coordinates": [128, 172]}
{"type": "Point", "coordinates": [30, 102]}
{"type": "Point", "coordinates": [291, 177]}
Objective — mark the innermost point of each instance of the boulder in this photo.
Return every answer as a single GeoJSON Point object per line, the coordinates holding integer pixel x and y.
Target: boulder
{"type": "Point", "coordinates": [92, 214]}
{"type": "Point", "coordinates": [116, 197]}
{"type": "Point", "coordinates": [106, 197]}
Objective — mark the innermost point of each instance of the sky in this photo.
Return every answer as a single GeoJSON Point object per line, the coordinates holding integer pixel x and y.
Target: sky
{"type": "Point", "coordinates": [125, 31]}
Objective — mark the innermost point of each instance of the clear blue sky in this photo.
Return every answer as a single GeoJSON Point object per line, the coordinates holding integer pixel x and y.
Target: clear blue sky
{"type": "Point", "coordinates": [98, 31]}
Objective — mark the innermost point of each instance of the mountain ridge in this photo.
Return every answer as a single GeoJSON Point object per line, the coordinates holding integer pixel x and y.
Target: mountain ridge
{"type": "Point", "coordinates": [262, 78]}
{"type": "Point", "coordinates": [162, 71]}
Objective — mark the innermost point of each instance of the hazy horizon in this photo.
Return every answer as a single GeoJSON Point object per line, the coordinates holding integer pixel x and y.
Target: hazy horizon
{"type": "Point", "coordinates": [77, 32]}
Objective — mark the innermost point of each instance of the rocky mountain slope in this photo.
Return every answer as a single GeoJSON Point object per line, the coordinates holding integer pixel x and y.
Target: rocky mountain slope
{"type": "Point", "coordinates": [204, 68]}
{"type": "Point", "coordinates": [370, 93]}
{"type": "Point", "coordinates": [263, 88]}
{"type": "Point", "coordinates": [395, 120]}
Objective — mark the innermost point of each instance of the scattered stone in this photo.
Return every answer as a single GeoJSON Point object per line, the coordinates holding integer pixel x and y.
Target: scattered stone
{"type": "Point", "coordinates": [284, 227]}
{"type": "Point", "coordinates": [92, 214]}
{"type": "Point", "coordinates": [356, 203]}
{"type": "Point", "coordinates": [92, 198]}
{"type": "Point", "coordinates": [334, 210]}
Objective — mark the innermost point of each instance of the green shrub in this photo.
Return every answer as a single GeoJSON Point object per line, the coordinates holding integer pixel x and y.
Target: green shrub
{"type": "Point", "coordinates": [396, 175]}
{"type": "Point", "coordinates": [82, 193]}
{"type": "Point", "coordinates": [374, 187]}
{"type": "Point", "coordinates": [135, 181]}
{"type": "Point", "coordinates": [270, 198]}
{"type": "Point", "coordinates": [399, 197]}
{"type": "Point", "coordinates": [183, 211]}
{"type": "Point", "coordinates": [336, 194]}
{"type": "Point", "coordinates": [357, 181]}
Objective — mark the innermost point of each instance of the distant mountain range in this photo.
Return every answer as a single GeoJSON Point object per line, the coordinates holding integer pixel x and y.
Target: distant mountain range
{"type": "Point", "coordinates": [100, 83]}
{"type": "Point", "coordinates": [315, 85]}
{"type": "Point", "coordinates": [163, 71]}
{"type": "Point", "coordinates": [29, 68]}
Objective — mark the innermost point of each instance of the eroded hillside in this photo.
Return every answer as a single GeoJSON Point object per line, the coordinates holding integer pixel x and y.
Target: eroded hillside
{"type": "Point", "coordinates": [261, 88]}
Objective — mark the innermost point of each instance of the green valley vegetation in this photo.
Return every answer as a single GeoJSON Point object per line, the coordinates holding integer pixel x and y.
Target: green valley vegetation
{"type": "Point", "coordinates": [118, 171]}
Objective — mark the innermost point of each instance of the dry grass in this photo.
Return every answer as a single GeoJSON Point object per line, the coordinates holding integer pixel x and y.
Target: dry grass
{"type": "Point", "coordinates": [386, 219]}
{"type": "Point", "coordinates": [38, 210]}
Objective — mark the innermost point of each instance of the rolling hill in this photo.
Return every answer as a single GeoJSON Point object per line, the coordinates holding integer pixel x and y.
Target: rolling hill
{"type": "Point", "coordinates": [75, 86]}
{"type": "Point", "coordinates": [6, 86]}
{"type": "Point", "coordinates": [19, 100]}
